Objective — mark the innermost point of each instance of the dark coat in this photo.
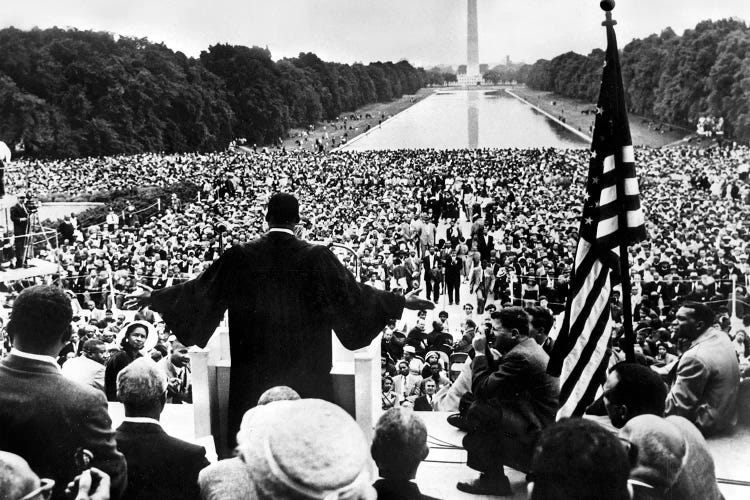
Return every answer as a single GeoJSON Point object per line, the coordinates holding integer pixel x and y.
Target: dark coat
{"type": "Point", "coordinates": [453, 269]}
{"type": "Point", "coordinates": [159, 465]}
{"type": "Point", "coordinates": [284, 297]}
{"type": "Point", "coordinates": [45, 418]}
{"type": "Point", "coordinates": [421, 404]}
{"type": "Point", "coordinates": [485, 245]}
{"type": "Point", "coordinates": [20, 217]}
{"type": "Point", "coordinates": [395, 489]}
{"type": "Point", "coordinates": [520, 385]}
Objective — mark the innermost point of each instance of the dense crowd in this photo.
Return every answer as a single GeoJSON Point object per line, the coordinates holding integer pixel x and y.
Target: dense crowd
{"type": "Point", "coordinates": [503, 222]}
{"type": "Point", "coordinates": [526, 202]}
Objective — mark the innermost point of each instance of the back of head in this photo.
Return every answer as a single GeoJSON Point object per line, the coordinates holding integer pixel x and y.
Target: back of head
{"type": "Point", "coordinates": [577, 459]}
{"type": "Point", "coordinates": [283, 209]}
{"type": "Point", "coordinates": [662, 451]}
{"type": "Point", "coordinates": [278, 393]}
{"type": "Point", "coordinates": [541, 318]}
{"type": "Point", "coordinates": [16, 477]}
{"type": "Point", "coordinates": [513, 318]}
{"type": "Point", "coordinates": [639, 388]}
{"type": "Point", "coordinates": [141, 386]}
{"type": "Point", "coordinates": [399, 429]}
{"type": "Point", "coordinates": [91, 345]}
{"type": "Point", "coordinates": [41, 315]}
{"type": "Point", "coordinates": [304, 449]}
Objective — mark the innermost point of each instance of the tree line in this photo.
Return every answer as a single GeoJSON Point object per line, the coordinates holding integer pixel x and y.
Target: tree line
{"type": "Point", "coordinates": [669, 78]}
{"type": "Point", "coordinates": [70, 93]}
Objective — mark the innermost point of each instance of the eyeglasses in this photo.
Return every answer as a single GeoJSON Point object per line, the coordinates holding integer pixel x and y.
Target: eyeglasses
{"type": "Point", "coordinates": [45, 490]}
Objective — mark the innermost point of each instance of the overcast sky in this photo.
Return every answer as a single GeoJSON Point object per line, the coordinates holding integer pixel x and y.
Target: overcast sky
{"type": "Point", "coordinates": [426, 32]}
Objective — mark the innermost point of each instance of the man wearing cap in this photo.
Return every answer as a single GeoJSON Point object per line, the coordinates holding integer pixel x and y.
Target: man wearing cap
{"type": "Point", "coordinates": [284, 296]}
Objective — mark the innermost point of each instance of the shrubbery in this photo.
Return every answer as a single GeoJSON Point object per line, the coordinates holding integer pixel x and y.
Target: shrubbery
{"type": "Point", "coordinates": [141, 198]}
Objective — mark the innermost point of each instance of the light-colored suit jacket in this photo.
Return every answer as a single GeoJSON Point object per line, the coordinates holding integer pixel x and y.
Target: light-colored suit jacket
{"type": "Point", "coordinates": [707, 383]}
{"type": "Point", "coordinates": [84, 371]}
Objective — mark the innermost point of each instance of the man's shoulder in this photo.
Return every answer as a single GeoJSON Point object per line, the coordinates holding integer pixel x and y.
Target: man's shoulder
{"type": "Point", "coordinates": [711, 343]}
{"type": "Point", "coordinates": [529, 351]}
{"type": "Point", "coordinates": [53, 388]}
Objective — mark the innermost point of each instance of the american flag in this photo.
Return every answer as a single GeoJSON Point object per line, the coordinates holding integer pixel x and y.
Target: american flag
{"type": "Point", "coordinates": [579, 356]}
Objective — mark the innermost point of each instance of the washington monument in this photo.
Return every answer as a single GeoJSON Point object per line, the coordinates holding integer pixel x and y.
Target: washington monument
{"type": "Point", "coordinates": [472, 75]}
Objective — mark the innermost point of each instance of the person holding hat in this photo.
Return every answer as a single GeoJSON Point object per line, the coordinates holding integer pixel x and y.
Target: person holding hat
{"type": "Point", "coordinates": [277, 284]}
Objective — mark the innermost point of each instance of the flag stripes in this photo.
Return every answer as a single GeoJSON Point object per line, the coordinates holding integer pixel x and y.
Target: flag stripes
{"type": "Point", "coordinates": [612, 218]}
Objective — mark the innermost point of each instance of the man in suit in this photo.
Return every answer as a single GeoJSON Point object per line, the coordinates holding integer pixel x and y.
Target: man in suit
{"type": "Point", "coordinates": [399, 429]}
{"type": "Point", "coordinates": [515, 400]}
{"type": "Point", "coordinates": [426, 401]}
{"type": "Point", "coordinates": [673, 459]}
{"type": "Point", "coordinates": [19, 214]}
{"type": "Point", "coordinates": [159, 465]}
{"type": "Point", "coordinates": [453, 265]}
{"type": "Point", "coordinates": [176, 367]}
{"type": "Point", "coordinates": [44, 417]}
{"type": "Point", "coordinates": [88, 369]}
{"type": "Point", "coordinates": [708, 374]}
{"type": "Point", "coordinates": [277, 283]}
{"type": "Point", "coordinates": [485, 244]}
{"type": "Point", "coordinates": [430, 262]}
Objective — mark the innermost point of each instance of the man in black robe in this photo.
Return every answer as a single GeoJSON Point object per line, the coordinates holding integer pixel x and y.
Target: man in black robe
{"type": "Point", "coordinates": [284, 297]}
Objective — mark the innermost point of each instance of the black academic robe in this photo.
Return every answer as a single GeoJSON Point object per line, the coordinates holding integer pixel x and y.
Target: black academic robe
{"type": "Point", "coordinates": [284, 296]}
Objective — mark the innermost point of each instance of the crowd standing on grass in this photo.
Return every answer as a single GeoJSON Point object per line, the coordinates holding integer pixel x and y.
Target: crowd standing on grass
{"type": "Point", "coordinates": [503, 222]}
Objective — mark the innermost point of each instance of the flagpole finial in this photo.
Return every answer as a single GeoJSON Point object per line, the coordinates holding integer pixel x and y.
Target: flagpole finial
{"type": "Point", "coordinates": [607, 6]}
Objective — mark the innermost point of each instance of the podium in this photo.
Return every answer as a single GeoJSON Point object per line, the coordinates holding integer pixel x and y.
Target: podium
{"type": "Point", "coordinates": [355, 374]}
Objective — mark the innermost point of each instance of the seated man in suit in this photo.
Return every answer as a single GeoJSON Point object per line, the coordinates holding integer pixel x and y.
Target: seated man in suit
{"type": "Point", "coordinates": [36, 401]}
{"type": "Point", "coordinates": [399, 429]}
{"type": "Point", "coordinates": [426, 401]}
{"type": "Point", "coordinates": [515, 399]}
{"type": "Point", "coordinates": [159, 465]}
{"type": "Point", "coordinates": [708, 374]}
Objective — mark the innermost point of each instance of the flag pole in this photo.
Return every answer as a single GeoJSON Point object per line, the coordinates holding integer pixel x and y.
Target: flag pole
{"type": "Point", "coordinates": [622, 220]}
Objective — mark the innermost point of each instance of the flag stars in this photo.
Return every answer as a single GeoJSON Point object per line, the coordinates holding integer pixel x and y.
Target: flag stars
{"type": "Point", "coordinates": [595, 180]}
{"type": "Point", "coordinates": [588, 220]}
{"type": "Point", "coordinates": [599, 110]}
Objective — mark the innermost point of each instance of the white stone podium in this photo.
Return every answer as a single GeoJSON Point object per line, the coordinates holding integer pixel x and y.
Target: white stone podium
{"type": "Point", "coordinates": [356, 383]}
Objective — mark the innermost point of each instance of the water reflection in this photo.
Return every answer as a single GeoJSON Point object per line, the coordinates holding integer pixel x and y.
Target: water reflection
{"type": "Point", "coordinates": [473, 120]}
{"type": "Point", "coordinates": [490, 120]}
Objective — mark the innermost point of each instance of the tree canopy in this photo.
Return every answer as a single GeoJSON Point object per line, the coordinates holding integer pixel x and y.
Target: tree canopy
{"type": "Point", "coordinates": [671, 78]}
{"type": "Point", "coordinates": [68, 93]}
